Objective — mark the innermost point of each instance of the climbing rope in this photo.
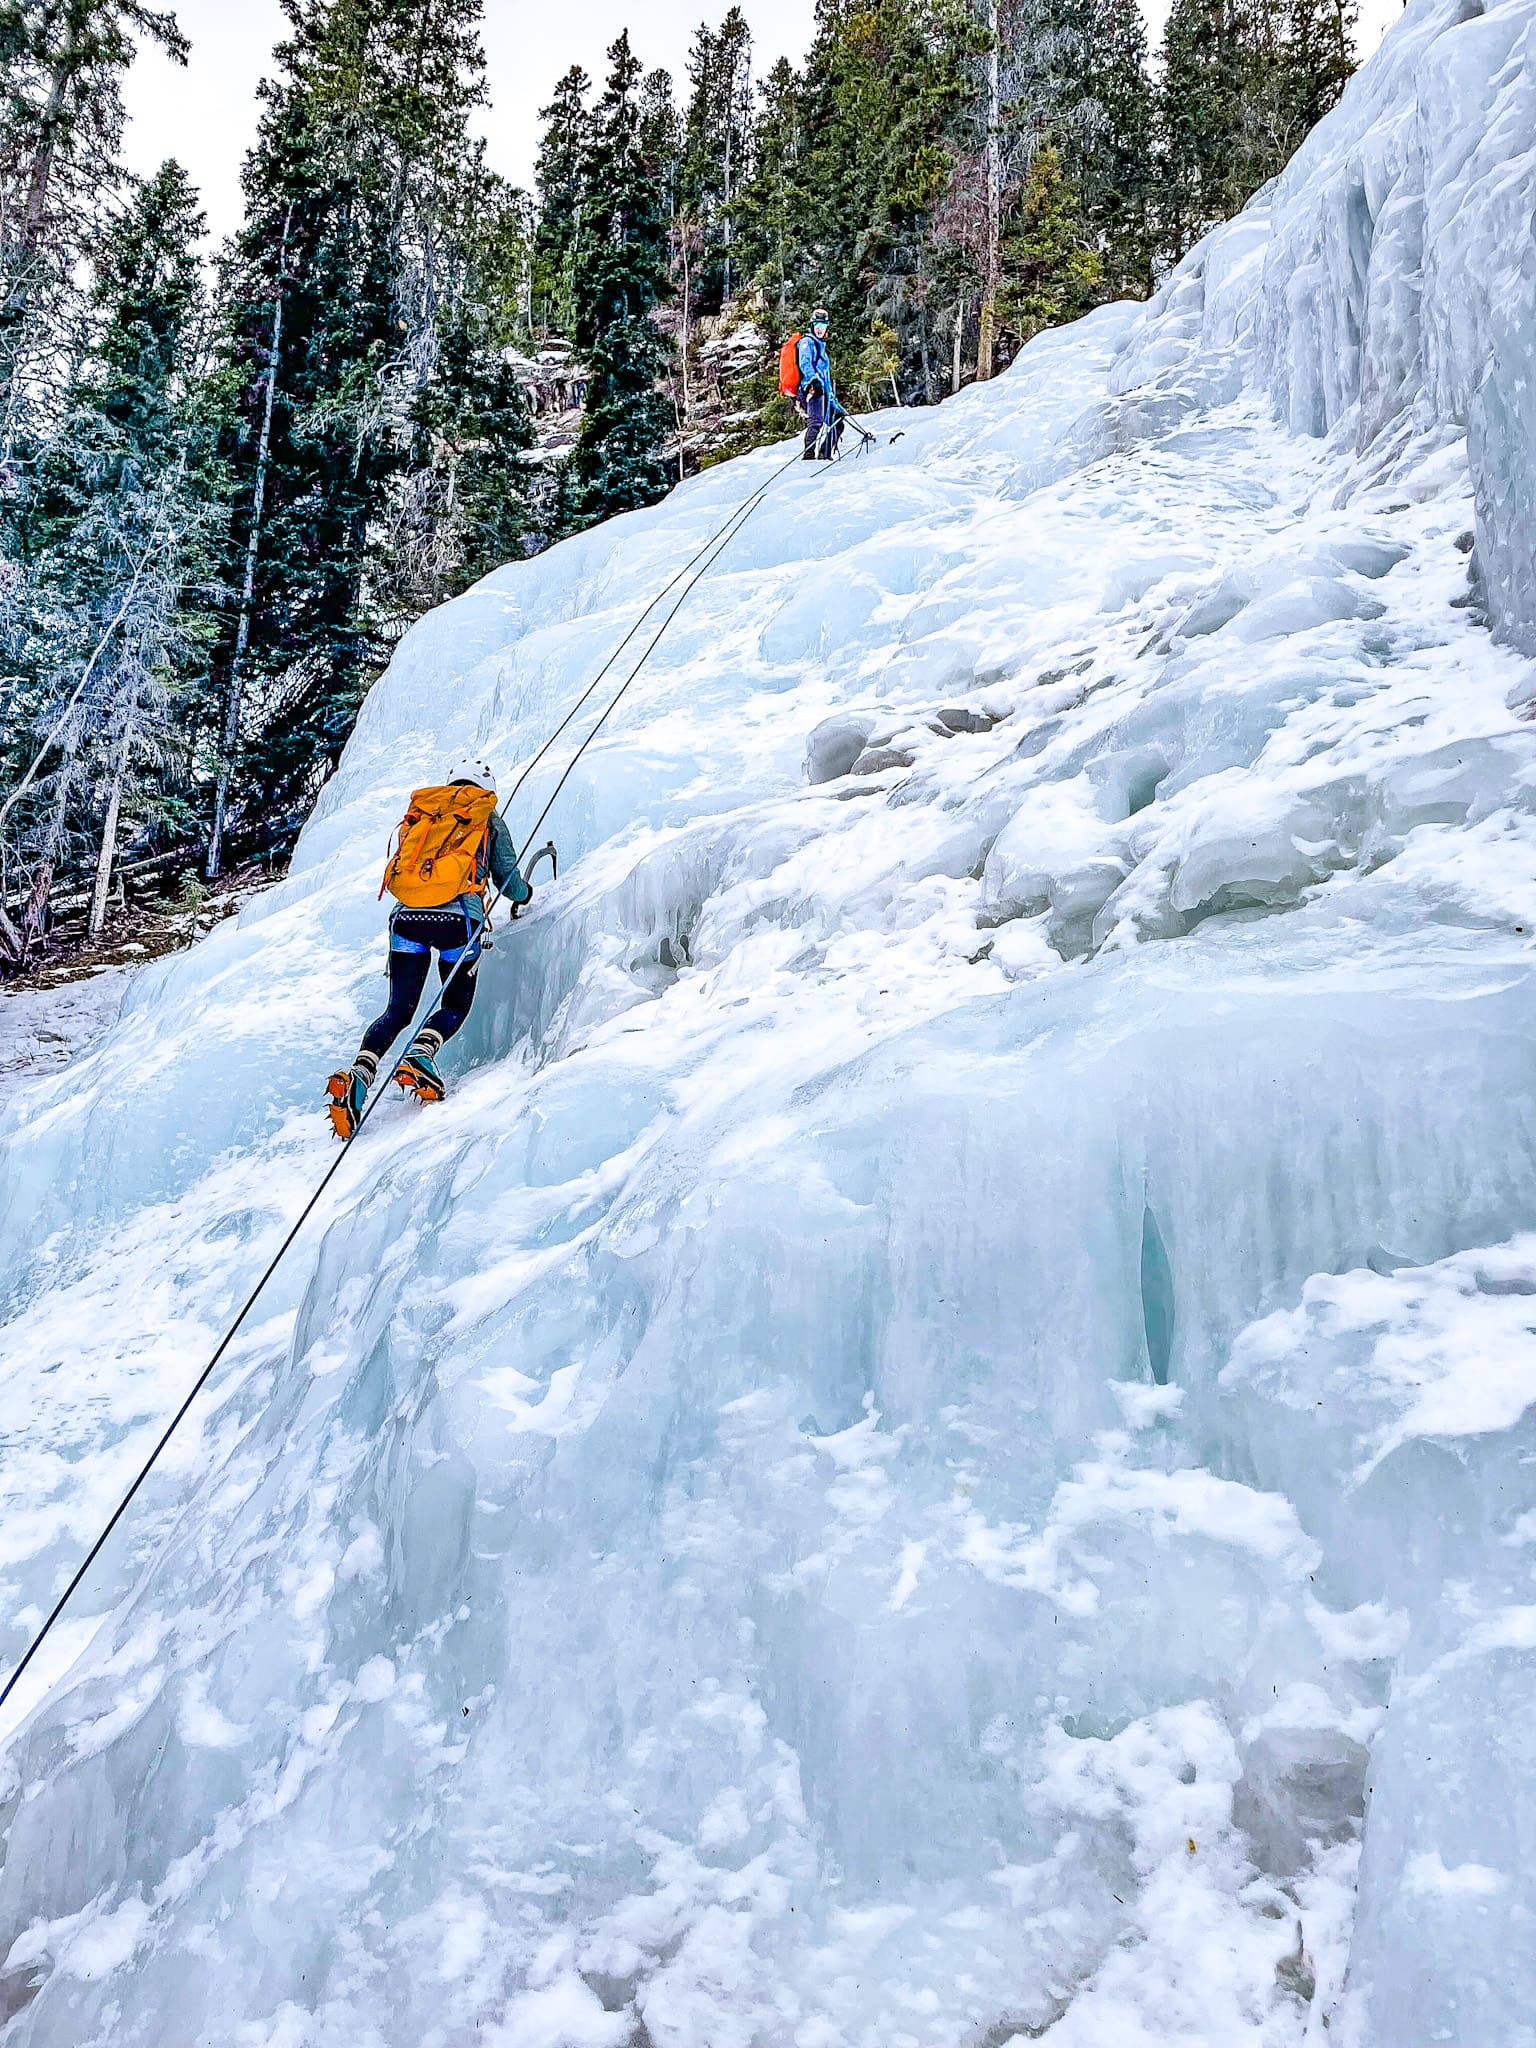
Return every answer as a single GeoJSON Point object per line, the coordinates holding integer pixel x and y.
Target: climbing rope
{"type": "Point", "coordinates": [698, 566]}
{"type": "Point", "coordinates": [729, 531]}
{"type": "Point", "coordinates": [719, 540]}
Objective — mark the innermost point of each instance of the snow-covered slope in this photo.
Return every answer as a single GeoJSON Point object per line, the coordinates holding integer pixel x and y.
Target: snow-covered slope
{"type": "Point", "coordinates": [933, 1447]}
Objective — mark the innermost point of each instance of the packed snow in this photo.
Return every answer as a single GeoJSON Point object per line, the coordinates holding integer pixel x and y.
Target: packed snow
{"type": "Point", "coordinates": [43, 1028]}
{"type": "Point", "coordinates": [935, 1447]}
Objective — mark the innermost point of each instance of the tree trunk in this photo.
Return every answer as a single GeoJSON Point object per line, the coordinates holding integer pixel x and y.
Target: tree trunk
{"type": "Point", "coordinates": [687, 315]}
{"type": "Point", "coordinates": [35, 914]}
{"type": "Point", "coordinates": [779, 213]}
{"type": "Point", "coordinates": [986, 339]}
{"type": "Point", "coordinates": [29, 236]}
{"type": "Point", "coordinates": [41, 175]}
{"type": "Point", "coordinates": [248, 589]}
{"type": "Point", "coordinates": [922, 332]}
{"type": "Point", "coordinates": [954, 384]}
{"type": "Point", "coordinates": [108, 852]}
{"type": "Point", "coordinates": [730, 125]}
{"type": "Point", "coordinates": [37, 905]}
{"type": "Point", "coordinates": [59, 724]}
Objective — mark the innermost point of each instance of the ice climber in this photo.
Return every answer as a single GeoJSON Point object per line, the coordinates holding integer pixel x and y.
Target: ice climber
{"type": "Point", "coordinates": [816, 397]}
{"type": "Point", "coordinates": [451, 841]}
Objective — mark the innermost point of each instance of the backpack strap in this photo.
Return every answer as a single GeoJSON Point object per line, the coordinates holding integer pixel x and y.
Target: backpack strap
{"type": "Point", "coordinates": [390, 851]}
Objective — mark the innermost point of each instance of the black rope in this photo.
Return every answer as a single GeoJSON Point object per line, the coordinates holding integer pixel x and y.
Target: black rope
{"type": "Point", "coordinates": [723, 534]}
{"type": "Point", "coordinates": [725, 538]}
{"type": "Point", "coordinates": [718, 541]}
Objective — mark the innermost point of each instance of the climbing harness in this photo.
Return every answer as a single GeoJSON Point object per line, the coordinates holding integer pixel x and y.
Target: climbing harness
{"type": "Point", "coordinates": [697, 566]}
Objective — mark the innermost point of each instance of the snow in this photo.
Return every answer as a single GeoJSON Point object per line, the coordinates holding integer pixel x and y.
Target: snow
{"type": "Point", "coordinates": [934, 1446]}
{"type": "Point", "coordinates": [45, 1027]}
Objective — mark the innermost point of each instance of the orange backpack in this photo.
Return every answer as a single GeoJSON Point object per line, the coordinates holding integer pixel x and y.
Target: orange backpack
{"type": "Point", "coordinates": [438, 846]}
{"type": "Point", "coordinates": [789, 368]}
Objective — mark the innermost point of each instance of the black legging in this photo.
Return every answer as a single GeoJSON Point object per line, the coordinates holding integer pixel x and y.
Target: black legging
{"type": "Point", "coordinates": [449, 935]}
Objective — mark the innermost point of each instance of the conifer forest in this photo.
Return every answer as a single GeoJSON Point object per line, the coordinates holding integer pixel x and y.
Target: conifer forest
{"type": "Point", "coordinates": [232, 476]}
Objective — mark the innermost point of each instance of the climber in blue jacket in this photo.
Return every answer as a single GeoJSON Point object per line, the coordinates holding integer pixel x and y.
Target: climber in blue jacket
{"type": "Point", "coordinates": [816, 397]}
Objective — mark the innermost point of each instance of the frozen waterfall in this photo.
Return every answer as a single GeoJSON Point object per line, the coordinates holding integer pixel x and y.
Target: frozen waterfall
{"type": "Point", "coordinates": [937, 1445]}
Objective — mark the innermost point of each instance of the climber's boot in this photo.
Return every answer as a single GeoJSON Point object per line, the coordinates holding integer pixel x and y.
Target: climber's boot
{"type": "Point", "coordinates": [417, 1072]}
{"type": "Point", "coordinates": [346, 1092]}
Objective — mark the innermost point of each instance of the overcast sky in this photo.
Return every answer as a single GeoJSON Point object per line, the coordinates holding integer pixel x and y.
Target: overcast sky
{"type": "Point", "coordinates": [205, 114]}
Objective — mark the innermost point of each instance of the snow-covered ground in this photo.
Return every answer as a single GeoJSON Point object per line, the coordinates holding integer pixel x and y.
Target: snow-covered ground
{"type": "Point", "coordinates": [934, 1447]}
{"type": "Point", "coordinates": [43, 1028]}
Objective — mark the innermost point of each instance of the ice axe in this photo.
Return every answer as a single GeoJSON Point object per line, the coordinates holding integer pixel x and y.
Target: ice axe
{"type": "Point", "coordinates": [546, 852]}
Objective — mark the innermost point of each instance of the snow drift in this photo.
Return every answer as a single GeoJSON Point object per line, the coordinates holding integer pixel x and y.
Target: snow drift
{"type": "Point", "coordinates": [934, 1448]}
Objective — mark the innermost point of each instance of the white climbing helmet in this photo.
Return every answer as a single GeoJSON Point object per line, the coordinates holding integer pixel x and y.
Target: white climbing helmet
{"type": "Point", "coordinates": [467, 768]}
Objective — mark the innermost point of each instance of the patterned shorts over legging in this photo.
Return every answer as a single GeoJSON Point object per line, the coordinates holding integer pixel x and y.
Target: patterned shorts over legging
{"type": "Point", "coordinates": [414, 936]}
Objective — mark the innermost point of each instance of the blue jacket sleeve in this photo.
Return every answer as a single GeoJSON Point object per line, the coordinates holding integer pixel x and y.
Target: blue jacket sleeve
{"type": "Point", "coordinates": [815, 363]}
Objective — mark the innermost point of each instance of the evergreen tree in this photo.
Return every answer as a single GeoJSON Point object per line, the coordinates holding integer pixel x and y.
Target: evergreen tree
{"type": "Point", "coordinates": [620, 275]}
{"type": "Point", "coordinates": [768, 211]}
{"type": "Point", "coordinates": [1098, 114]}
{"type": "Point", "coordinates": [1243, 81]}
{"type": "Point", "coordinates": [364, 355]}
{"type": "Point", "coordinates": [661, 139]}
{"type": "Point", "coordinates": [1072, 77]}
{"type": "Point", "coordinates": [1052, 270]}
{"type": "Point", "coordinates": [560, 180]}
{"type": "Point", "coordinates": [1317, 62]}
{"type": "Point", "coordinates": [310, 295]}
{"type": "Point", "coordinates": [61, 117]}
{"type": "Point", "coordinates": [122, 528]}
{"type": "Point", "coordinates": [459, 504]}
{"type": "Point", "coordinates": [884, 102]}
{"type": "Point", "coordinates": [1210, 68]}
{"type": "Point", "coordinates": [717, 146]}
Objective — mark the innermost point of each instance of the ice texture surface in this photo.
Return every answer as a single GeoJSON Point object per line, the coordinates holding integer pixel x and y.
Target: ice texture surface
{"type": "Point", "coordinates": [935, 1446]}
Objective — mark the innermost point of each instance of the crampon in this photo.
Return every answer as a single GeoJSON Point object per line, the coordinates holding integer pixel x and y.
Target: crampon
{"type": "Point", "coordinates": [345, 1091]}
{"type": "Point", "coordinates": [418, 1076]}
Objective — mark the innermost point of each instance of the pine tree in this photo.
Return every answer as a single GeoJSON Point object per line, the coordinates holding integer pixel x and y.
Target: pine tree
{"type": "Point", "coordinates": [122, 529]}
{"type": "Point", "coordinates": [1053, 271]}
{"type": "Point", "coordinates": [459, 505]}
{"type": "Point", "coordinates": [351, 342]}
{"type": "Point", "coordinates": [620, 274]}
{"type": "Point", "coordinates": [61, 117]}
{"type": "Point", "coordinates": [1243, 81]}
{"type": "Point", "coordinates": [560, 180]}
{"type": "Point", "coordinates": [661, 138]}
{"type": "Point", "coordinates": [1209, 72]}
{"type": "Point", "coordinates": [1099, 116]}
{"type": "Point", "coordinates": [1318, 60]}
{"type": "Point", "coordinates": [885, 98]}
{"type": "Point", "coordinates": [310, 299]}
{"type": "Point", "coordinates": [768, 212]}
{"type": "Point", "coordinates": [717, 146]}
